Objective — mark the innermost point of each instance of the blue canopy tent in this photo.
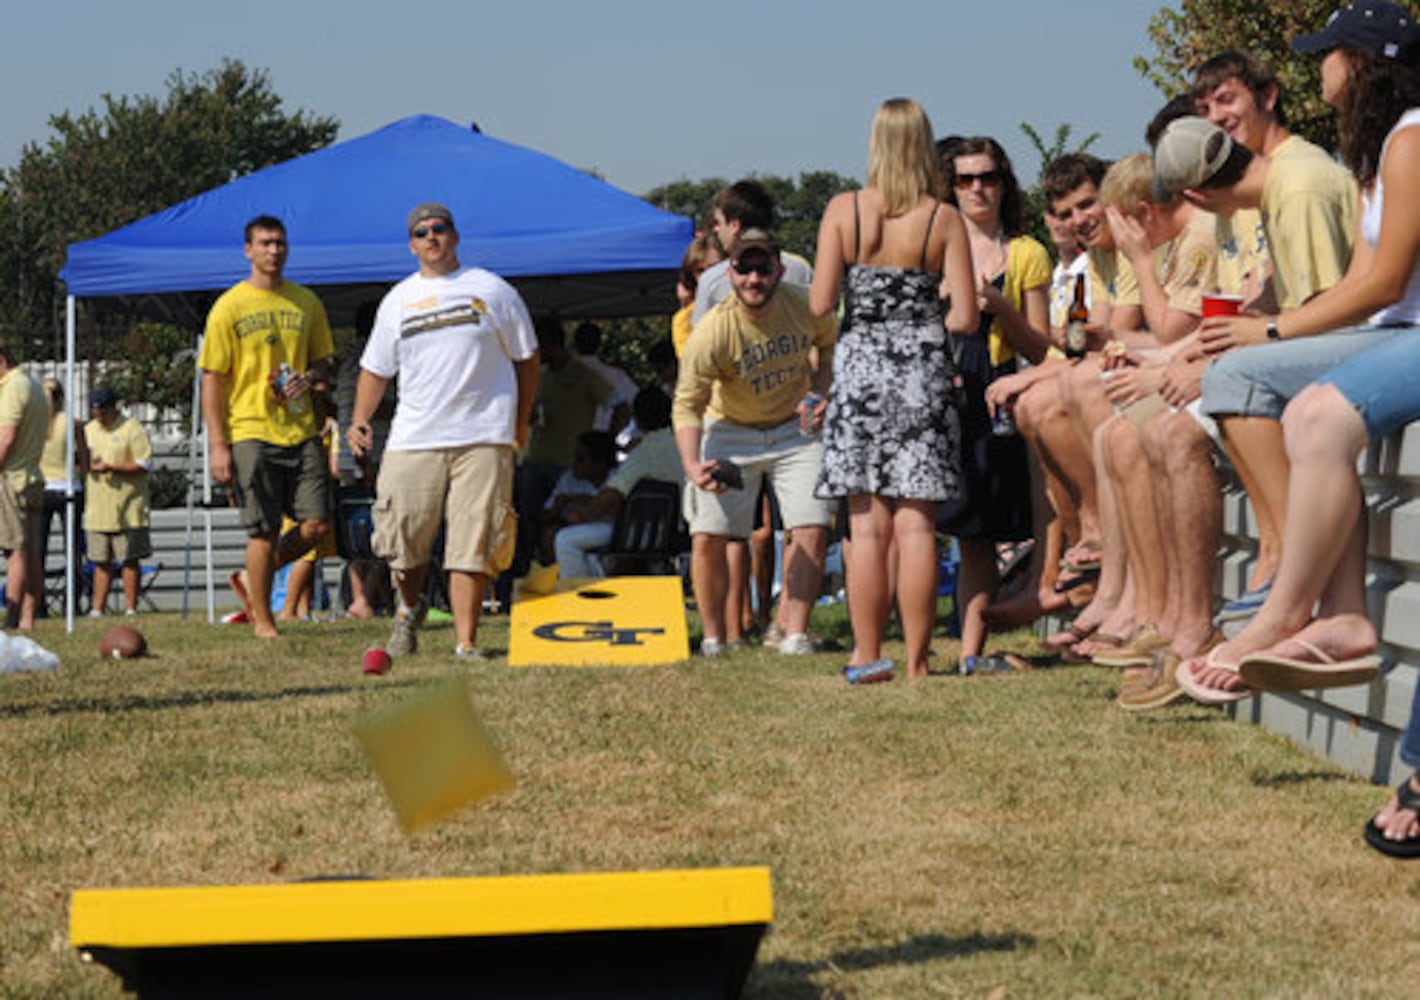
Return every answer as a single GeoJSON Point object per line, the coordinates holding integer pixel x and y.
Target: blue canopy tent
{"type": "Point", "coordinates": [572, 244]}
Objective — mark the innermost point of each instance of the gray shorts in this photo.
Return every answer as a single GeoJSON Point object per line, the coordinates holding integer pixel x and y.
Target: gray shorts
{"type": "Point", "coordinates": [783, 453]}
{"type": "Point", "coordinates": [271, 480]}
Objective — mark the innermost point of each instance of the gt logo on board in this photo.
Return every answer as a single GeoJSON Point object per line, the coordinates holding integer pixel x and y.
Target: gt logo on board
{"type": "Point", "coordinates": [594, 632]}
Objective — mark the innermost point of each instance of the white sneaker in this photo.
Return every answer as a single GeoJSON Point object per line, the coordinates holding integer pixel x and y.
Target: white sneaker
{"type": "Point", "coordinates": [95, 613]}
{"type": "Point", "coordinates": [797, 644]}
{"type": "Point", "coordinates": [711, 648]}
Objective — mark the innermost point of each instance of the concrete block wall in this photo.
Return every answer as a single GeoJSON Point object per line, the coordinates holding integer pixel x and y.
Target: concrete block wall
{"type": "Point", "coordinates": [1359, 727]}
{"type": "Point", "coordinates": [170, 541]}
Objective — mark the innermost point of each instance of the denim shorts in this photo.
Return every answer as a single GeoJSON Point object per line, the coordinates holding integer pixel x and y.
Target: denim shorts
{"type": "Point", "coordinates": [1260, 381]}
{"type": "Point", "coordinates": [1381, 383]}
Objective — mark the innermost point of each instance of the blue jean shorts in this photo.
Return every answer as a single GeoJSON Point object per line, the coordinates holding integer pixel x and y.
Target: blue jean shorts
{"type": "Point", "coordinates": [1381, 383]}
{"type": "Point", "coordinates": [1260, 381]}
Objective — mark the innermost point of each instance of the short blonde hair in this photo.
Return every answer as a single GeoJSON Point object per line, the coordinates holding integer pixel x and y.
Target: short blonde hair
{"type": "Point", "coordinates": [902, 159]}
{"type": "Point", "coordinates": [1129, 183]}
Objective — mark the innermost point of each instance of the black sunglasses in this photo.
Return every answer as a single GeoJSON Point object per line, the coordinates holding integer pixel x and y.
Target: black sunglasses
{"type": "Point", "coordinates": [437, 228]}
{"type": "Point", "coordinates": [988, 178]}
{"type": "Point", "coordinates": [763, 267]}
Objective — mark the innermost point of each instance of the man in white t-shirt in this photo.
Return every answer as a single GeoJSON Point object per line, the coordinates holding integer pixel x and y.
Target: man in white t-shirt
{"type": "Point", "coordinates": [461, 342]}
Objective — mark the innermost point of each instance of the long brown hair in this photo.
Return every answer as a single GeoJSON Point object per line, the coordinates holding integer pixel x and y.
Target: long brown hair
{"type": "Point", "coordinates": [1012, 216]}
{"type": "Point", "coordinates": [1378, 92]}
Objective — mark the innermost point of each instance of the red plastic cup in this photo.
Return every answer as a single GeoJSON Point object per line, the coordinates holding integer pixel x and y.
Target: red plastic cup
{"type": "Point", "coordinates": [1221, 305]}
{"type": "Point", "coordinates": [377, 661]}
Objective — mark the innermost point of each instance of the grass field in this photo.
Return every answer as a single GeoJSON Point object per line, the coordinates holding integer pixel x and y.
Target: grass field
{"type": "Point", "coordinates": [985, 836]}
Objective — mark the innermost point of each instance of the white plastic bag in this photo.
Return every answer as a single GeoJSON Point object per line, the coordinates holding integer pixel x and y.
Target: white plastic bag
{"type": "Point", "coordinates": [20, 654]}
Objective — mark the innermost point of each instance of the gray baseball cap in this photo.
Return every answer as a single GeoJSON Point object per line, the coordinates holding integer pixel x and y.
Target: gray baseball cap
{"type": "Point", "coordinates": [425, 211]}
{"type": "Point", "coordinates": [1188, 155]}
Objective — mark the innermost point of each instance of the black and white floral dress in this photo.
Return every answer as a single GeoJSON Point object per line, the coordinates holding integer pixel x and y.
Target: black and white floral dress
{"type": "Point", "coordinates": [891, 428]}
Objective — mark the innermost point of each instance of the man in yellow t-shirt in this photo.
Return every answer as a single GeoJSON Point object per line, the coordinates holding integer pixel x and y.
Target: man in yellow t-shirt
{"type": "Point", "coordinates": [739, 404]}
{"type": "Point", "coordinates": [24, 419]}
{"type": "Point", "coordinates": [116, 508]}
{"type": "Point", "coordinates": [266, 347]}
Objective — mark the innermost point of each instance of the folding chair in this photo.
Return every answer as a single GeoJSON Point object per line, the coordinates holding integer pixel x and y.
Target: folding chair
{"type": "Point", "coordinates": [650, 533]}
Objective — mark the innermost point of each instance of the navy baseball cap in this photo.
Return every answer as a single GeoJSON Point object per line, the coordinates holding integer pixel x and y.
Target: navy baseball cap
{"type": "Point", "coordinates": [1378, 27]}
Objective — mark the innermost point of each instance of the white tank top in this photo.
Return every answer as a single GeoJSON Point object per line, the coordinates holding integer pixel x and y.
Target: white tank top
{"type": "Point", "coordinates": [1405, 312]}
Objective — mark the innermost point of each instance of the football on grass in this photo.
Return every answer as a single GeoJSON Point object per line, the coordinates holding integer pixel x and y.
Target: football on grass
{"type": "Point", "coordinates": [122, 642]}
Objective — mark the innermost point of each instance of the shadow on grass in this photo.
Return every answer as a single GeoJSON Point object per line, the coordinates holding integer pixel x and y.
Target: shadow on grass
{"type": "Point", "coordinates": [785, 979]}
{"type": "Point", "coordinates": [1286, 778]}
{"type": "Point", "coordinates": [185, 699]}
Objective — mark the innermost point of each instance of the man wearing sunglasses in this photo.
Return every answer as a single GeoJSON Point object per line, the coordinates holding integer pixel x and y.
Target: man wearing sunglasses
{"type": "Point", "coordinates": [741, 405]}
{"type": "Point", "coordinates": [462, 345]}
{"type": "Point", "coordinates": [267, 345]}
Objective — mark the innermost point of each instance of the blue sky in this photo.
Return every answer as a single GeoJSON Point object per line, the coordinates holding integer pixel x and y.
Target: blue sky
{"type": "Point", "coordinates": [643, 92]}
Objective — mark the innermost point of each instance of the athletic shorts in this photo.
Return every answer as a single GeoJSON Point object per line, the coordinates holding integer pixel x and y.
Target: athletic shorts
{"type": "Point", "coordinates": [272, 480]}
{"type": "Point", "coordinates": [470, 488]}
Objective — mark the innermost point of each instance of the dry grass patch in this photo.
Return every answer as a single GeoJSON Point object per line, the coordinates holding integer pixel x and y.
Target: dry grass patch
{"type": "Point", "coordinates": [953, 837]}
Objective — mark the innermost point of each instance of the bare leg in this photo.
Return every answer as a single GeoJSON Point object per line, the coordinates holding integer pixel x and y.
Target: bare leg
{"type": "Point", "coordinates": [1258, 454]}
{"type": "Point", "coordinates": [709, 576]}
{"type": "Point", "coordinates": [466, 598]}
{"type": "Point", "coordinates": [103, 583]}
{"type": "Point", "coordinates": [1124, 459]}
{"type": "Point", "coordinates": [300, 578]}
{"type": "Point", "coordinates": [803, 575]}
{"type": "Point", "coordinates": [130, 585]}
{"type": "Point", "coordinates": [761, 553]}
{"type": "Point", "coordinates": [1196, 503]}
{"type": "Point", "coordinates": [410, 585]}
{"type": "Point", "coordinates": [737, 601]}
{"type": "Point", "coordinates": [976, 585]}
{"type": "Point", "coordinates": [866, 563]}
{"type": "Point", "coordinates": [914, 531]}
{"type": "Point", "coordinates": [261, 565]}
{"type": "Point", "coordinates": [1324, 438]}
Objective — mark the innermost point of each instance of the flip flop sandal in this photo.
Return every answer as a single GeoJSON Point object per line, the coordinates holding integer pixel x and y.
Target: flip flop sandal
{"type": "Point", "coordinates": [1406, 798]}
{"type": "Point", "coordinates": [1140, 651]}
{"type": "Point", "coordinates": [1104, 639]}
{"type": "Point", "coordinates": [1084, 556]}
{"type": "Point", "coordinates": [1016, 560]}
{"type": "Point", "coordinates": [1077, 633]}
{"type": "Point", "coordinates": [1076, 577]}
{"type": "Point", "coordinates": [1271, 672]}
{"type": "Point", "coordinates": [1207, 695]}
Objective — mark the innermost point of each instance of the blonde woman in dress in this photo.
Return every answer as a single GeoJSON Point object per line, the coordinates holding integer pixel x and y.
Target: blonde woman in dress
{"type": "Point", "coordinates": [895, 252]}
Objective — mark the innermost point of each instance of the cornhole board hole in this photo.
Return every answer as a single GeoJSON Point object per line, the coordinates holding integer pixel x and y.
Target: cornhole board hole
{"type": "Point", "coordinates": [621, 621]}
{"type": "Point", "coordinates": [691, 933]}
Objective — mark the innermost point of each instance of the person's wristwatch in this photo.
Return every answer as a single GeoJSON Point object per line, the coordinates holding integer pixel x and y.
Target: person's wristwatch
{"type": "Point", "coordinates": [1272, 332]}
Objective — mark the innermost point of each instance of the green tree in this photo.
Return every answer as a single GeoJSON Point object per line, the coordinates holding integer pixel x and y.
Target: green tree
{"type": "Point", "coordinates": [1193, 31]}
{"type": "Point", "coordinates": [132, 156]}
{"type": "Point", "coordinates": [1059, 145]}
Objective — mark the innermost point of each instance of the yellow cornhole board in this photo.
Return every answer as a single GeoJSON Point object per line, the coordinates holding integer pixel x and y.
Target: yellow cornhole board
{"type": "Point", "coordinates": [622, 621]}
{"type": "Point", "coordinates": [688, 933]}
{"type": "Point", "coordinates": [433, 756]}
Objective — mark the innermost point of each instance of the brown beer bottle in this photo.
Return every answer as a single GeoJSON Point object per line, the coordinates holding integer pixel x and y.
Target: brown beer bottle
{"type": "Point", "coordinates": [1076, 338]}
